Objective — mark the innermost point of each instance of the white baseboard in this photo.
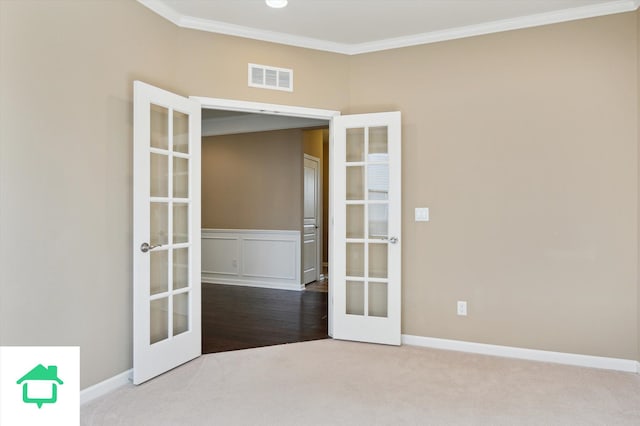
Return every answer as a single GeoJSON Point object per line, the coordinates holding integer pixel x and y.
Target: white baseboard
{"type": "Point", "coordinates": [105, 386]}
{"type": "Point", "coordinates": [617, 364]}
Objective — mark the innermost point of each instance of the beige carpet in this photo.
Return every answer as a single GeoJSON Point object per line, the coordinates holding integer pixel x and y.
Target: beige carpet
{"type": "Point", "coordinates": [329, 382]}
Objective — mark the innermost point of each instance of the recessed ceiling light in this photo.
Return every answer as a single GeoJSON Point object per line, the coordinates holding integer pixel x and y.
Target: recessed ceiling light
{"type": "Point", "coordinates": [276, 3]}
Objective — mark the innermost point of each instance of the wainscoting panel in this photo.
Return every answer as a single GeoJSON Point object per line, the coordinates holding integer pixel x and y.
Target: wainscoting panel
{"type": "Point", "coordinates": [222, 253]}
{"type": "Point", "coordinates": [249, 257]}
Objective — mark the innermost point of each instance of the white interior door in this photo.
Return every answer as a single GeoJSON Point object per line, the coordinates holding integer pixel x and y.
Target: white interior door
{"type": "Point", "coordinates": [166, 231]}
{"type": "Point", "coordinates": [366, 203]}
{"type": "Point", "coordinates": [310, 240]}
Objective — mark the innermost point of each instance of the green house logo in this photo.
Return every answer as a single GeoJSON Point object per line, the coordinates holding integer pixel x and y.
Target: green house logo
{"type": "Point", "coordinates": [41, 378]}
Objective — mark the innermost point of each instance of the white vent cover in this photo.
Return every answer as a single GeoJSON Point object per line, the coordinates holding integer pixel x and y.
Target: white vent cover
{"type": "Point", "coordinates": [268, 77]}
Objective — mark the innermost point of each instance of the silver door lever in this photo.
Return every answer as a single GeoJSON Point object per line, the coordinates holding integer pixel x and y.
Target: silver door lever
{"type": "Point", "coordinates": [145, 247]}
{"type": "Point", "coordinates": [392, 240]}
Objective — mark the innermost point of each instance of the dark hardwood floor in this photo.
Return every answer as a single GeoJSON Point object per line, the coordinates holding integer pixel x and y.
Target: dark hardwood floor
{"type": "Point", "coordinates": [236, 317]}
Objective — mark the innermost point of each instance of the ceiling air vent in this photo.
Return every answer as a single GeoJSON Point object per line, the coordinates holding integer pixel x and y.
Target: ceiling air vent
{"type": "Point", "coordinates": [270, 77]}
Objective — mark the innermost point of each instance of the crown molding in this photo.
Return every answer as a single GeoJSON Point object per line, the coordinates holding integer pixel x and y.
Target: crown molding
{"type": "Point", "coordinates": [262, 35]}
{"type": "Point", "coordinates": [583, 12]}
{"type": "Point", "coordinates": [537, 20]}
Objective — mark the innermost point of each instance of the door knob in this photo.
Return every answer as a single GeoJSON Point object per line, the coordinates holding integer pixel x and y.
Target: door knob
{"type": "Point", "coordinates": [392, 240]}
{"type": "Point", "coordinates": [145, 247]}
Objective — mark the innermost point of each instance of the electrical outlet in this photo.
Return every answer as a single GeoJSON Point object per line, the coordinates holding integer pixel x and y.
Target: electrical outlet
{"type": "Point", "coordinates": [462, 308]}
{"type": "Point", "coordinates": [234, 263]}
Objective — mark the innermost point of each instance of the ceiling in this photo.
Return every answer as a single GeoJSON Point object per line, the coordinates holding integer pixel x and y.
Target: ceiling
{"type": "Point", "coordinates": [359, 26]}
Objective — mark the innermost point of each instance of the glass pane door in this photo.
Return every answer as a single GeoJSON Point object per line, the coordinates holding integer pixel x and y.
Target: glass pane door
{"type": "Point", "coordinates": [166, 216]}
{"type": "Point", "coordinates": [169, 292]}
{"type": "Point", "coordinates": [366, 199]}
{"type": "Point", "coordinates": [367, 221]}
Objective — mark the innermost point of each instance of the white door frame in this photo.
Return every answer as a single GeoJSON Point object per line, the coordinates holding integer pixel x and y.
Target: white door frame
{"type": "Point", "coordinates": [319, 188]}
{"type": "Point", "coordinates": [289, 111]}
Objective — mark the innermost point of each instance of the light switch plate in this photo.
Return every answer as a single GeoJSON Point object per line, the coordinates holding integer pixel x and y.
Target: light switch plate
{"type": "Point", "coordinates": [422, 214]}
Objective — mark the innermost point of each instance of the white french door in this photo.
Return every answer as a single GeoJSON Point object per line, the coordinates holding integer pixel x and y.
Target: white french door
{"type": "Point", "coordinates": [166, 231]}
{"type": "Point", "coordinates": [366, 255]}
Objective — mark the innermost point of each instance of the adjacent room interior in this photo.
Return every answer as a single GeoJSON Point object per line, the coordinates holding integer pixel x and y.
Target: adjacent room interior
{"type": "Point", "coordinates": [265, 234]}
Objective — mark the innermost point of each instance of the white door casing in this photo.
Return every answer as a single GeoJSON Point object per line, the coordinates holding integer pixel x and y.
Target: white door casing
{"type": "Point", "coordinates": [311, 249]}
{"type": "Point", "coordinates": [166, 231]}
{"type": "Point", "coordinates": [366, 248]}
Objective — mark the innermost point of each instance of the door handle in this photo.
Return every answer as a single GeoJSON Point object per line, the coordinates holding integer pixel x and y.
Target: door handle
{"type": "Point", "coordinates": [392, 240]}
{"type": "Point", "coordinates": [145, 247]}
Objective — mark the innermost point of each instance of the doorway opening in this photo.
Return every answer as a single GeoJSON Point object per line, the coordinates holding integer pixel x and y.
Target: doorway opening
{"type": "Point", "coordinates": [264, 229]}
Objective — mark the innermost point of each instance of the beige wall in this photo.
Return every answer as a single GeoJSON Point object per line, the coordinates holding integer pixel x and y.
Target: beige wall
{"type": "Point", "coordinates": [638, 171]}
{"type": "Point", "coordinates": [524, 146]}
{"type": "Point", "coordinates": [66, 74]}
{"type": "Point", "coordinates": [312, 142]}
{"type": "Point", "coordinates": [320, 78]}
{"type": "Point", "coordinates": [252, 181]}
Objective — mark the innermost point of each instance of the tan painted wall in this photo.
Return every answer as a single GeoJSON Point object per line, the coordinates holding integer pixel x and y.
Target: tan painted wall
{"type": "Point", "coordinates": [320, 78]}
{"type": "Point", "coordinates": [312, 142]}
{"type": "Point", "coordinates": [524, 146]}
{"type": "Point", "coordinates": [66, 74]}
{"type": "Point", "coordinates": [252, 181]}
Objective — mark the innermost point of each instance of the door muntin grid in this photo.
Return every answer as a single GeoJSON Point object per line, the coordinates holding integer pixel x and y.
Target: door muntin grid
{"type": "Point", "coordinates": [367, 221]}
{"type": "Point", "coordinates": [169, 225]}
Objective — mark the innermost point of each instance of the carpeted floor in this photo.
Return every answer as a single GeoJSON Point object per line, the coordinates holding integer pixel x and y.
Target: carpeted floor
{"type": "Point", "coordinates": [330, 382]}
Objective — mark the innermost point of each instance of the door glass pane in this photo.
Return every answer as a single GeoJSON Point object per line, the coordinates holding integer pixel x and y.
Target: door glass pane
{"type": "Point", "coordinates": [378, 260]}
{"type": "Point", "coordinates": [378, 221]}
{"type": "Point", "coordinates": [355, 298]}
{"type": "Point", "coordinates": [378, 299]}
{"type": "Point", "coordinates": [159, 127]}
{"type": "Point", "coordinates": [355, 259]}
{"type": "Point", "coordinates": [180, 268]}
{"type": "Point", "coordinates": [159, 222]}
{"type": "Point", "coordinates": [180, 223]}
{"type": "Point", "coordinates": [180, 313]}
{"type": "Point", "coordinates": [180, 177]}
{"type": "Point", "coordinates": [159, 272]}
{"type": "Point", "coordinates": [355, 183]}
{"type": "Point", "coordinates": [159, 175]}
{"type": "Point", "coordinates": [355, 145]}
{"type": "Point", "coordinates": [180, 132]}
{"type": "Point", "coordinates": [378, 150]}
{"type": "Point", "coordinates": [378, 181]}
{"type": "Point", "coordinates": [159, 324]}
{"type": "Point", "coordinates": [355, 221]}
